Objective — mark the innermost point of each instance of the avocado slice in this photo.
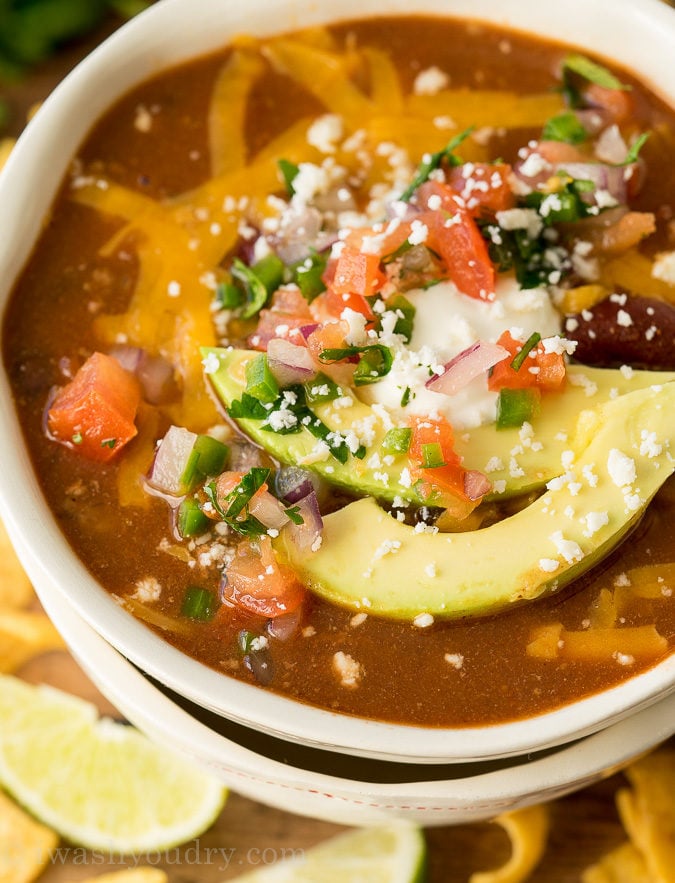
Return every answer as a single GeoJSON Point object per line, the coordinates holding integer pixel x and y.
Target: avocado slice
{"type": "Point", "coordinates": [369, 561]}
{"type": "Point", "coordinates": [515, 461]}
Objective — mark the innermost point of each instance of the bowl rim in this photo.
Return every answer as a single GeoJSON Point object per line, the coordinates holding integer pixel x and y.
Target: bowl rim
{"type": "Point", "coordinates": [467, 798]}
{"type": "Point", "coordinates": [167, 32]}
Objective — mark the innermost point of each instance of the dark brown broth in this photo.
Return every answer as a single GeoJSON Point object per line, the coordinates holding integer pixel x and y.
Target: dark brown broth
{"type": "Point", "coordinates": [49, 318]}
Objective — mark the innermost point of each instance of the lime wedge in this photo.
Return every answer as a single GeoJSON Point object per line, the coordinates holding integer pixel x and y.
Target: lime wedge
{"type": "Point", "coordinates": [98, 783]}
{"type": "Point", "coordinates": [387, 854]}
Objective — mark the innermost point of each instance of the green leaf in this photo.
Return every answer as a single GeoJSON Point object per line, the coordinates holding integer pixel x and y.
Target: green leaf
{"type": "Point", "coordinates": [294, 514]}
{"type": "Point", "coordinates": [247, 408]}
{"type": "Point", "coordinates": [636, 147]}
{"type": "Point", "coordinates": [564, 127]}
{"type": "Point", "coordinates": [592, 71]}
{"type": "Point", "coordinates": [406, 315]}
{"type": "Point", "coordinates": [234, 508]}
{"type": "Point", "coordinates": [289, 172]}
{"type": "Point", "coordinates": [528, 346]}
{"type": "Point", "coordinates": [258, 282]}
{"type": "Point", "coordinates": [375, 361]}
{"type": "Point", "coordinates": [434, 161]}
{"type": "Point", "coordinates": [307, 275]}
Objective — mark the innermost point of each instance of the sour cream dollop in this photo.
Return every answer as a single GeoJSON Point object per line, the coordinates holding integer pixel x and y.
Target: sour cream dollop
{"type": "Point", "coordinates": [446, 323]}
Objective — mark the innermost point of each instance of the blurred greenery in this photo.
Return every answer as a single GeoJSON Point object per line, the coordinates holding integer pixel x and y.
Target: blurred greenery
{"type": "Point", "coordinates": [32, 30]}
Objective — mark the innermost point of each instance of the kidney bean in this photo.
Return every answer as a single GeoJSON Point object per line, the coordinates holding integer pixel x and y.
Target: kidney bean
{"type": "Point", "coordinates": [625, 330]}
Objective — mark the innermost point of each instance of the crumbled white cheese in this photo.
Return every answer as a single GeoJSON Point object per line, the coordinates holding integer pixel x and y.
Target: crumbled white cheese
{"type": "Point", "coordinates": [147, 590]}
{"type": "Point", "coordinates": [211, 363]}
{"type": "Point", "coordinates": [142, 119]}
{"type": "Point", "coordinates": [559, 345]}
{"type": "Point", "coordinates": [621, 468]}
{"type": "Point", "coordinates": [649, 446]}
{"type": "Point", "coordinates": [430, 81]}
{"type": "Point", "coordinates": [594, 521]}
{"type": "Point", "coordinates": [325, 132]}
{"type": "Point", "coordinates": [548, 565]}
{"type": "Point", "coordinates": [569, 549]}
{"type": "Point", "coordinates": [347, 669]}
{"type": "Point", "coordinates": [423, 620]}
{"type": "Point", "coordinates": [456, 660]}
{"type": "Point", "coordinates": [526, 219]}
{"type": "Point", "coordinates": [386, 547]}
{"type": "Point", "coordinates": [663, 267]}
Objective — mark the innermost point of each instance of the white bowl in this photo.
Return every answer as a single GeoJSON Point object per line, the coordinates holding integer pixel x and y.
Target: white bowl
{"type": "Point", "coordinates": [347, 790]}
{"type": "Point", "coordinates": [640, 33]}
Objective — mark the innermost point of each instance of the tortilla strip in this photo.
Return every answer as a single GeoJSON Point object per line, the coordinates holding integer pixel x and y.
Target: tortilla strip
{"type": "Point", "coordinates": [26, 844]}
{"type": "Point", "coordinates": [528, 832]}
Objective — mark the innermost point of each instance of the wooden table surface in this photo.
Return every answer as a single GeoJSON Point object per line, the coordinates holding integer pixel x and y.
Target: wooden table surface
{"type": "Point", "coordinates": [584, 824]}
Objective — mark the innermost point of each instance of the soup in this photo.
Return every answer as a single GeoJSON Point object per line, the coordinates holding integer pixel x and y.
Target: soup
{"type": "Point", "coordinates": [319, 335]}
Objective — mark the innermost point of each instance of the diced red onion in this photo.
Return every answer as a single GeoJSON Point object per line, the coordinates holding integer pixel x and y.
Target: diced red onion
{"type": "Point", "coordinates": [268, 509]}
{"type": "Point", "coordinates": [171, 458]}
{"type": "Point", "coordinates": [469, 364]}
{"type": "Point", "coordinates": [476, 485]}
{"type": "Point", "coordinates": [305, 535]}
{"type": "Point", "coordinates": [289, 362]}
{"type": "Point", "coordinates": [306, 330]}
{"type": "Point", "coordinates": [284, 627]}
{"type": "Point", "coordinates": [154, 373]}
{"type": "Point", "coordinates": [259, 663]}
{"type": "Point", "coordinates": [292, 483]}
{"type": "Point", "coordinates": [610, 146]}
{"type": "Point", "coordinates": [299, 233]}
{"type": "Point", "coordinates": [593, 119]}
{"type": "Point", "coordinates": [129, 357]}
{"type": "Point", "coordinates": [603, 176]}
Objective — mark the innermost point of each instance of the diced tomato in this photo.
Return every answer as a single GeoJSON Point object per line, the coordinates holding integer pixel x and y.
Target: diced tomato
{"type": "Point", "coordinates": [552, 370]}
{"type": "Point", "coordinates": [328, 336]}
{"type": "Point", "coordinates": [357, 273]}
{"type": "Point", "coordinates": [549, 373]}
{"type": "Point", "coordinates": [450, 202]}
{"type": "Point", "coordinates": [288, 314]}
{"type": "Point", "coordinates": [458, 241]}
{"type": "Point", "coordinates": [484, 187]}
{"type": "Point", "coordinates": [379, 242]}
{"type": "Point", "coordinates": [94, 413]}
{"type": "Point", "coordinates": [446, 479]}
{"type": "Point", "coordinates": [619, 103]}
{"type": "Point", "coordinates": [330, 305]}
{"type": "Point", "coordinates": [259, 583]}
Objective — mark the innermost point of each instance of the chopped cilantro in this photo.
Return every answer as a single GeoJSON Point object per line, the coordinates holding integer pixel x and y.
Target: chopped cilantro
{"type": "Point", "coordinates": [577, 67]}
{"type": "Point", "coordinates": [307, 275]}
{"type": "Point", "coordinates": [258, 282]}
{"type": "Point", "coordinates": [294, 514]}
{"type": "Point", "coordinates": [434, 161]}
{"type": "Point", "coordinates": [528, 346]}
{"type": "Point", "coordinates": [109, 443]}
{"type": "Point", "coordinates": [375, 361]}
{"type": "Point", "coordinates": [233, 509]}
{"type": "Point", "coordinates": [247, 408]}
{"type": "Point", "coordinates": [636, 147]}
{"type": "Point", "coordinates": [289, 172]}
{"type": "Point", "coordinates": [564, 127]}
